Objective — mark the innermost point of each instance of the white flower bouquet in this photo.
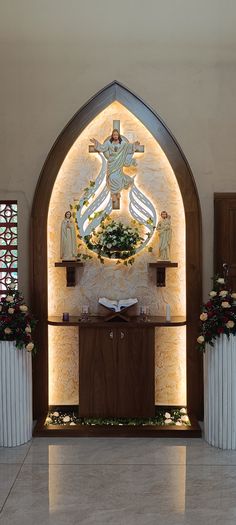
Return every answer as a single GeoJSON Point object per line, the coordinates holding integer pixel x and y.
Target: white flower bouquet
{"type": "Point", "coordinates": [114, 240]}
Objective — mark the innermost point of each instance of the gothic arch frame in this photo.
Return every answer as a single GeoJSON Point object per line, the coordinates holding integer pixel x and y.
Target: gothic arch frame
{"type": "Point", "coordinates": [185, 179]}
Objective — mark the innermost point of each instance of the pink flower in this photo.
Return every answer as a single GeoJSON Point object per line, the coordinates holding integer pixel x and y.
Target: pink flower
{"type": "Point", "coordinates": [11, 310]}
{"type": "Point", "coordinates": [9, 299]}
{"type": "Point", "coordinates": [223, 293]}
{"type": "Point", "coordinates": [23, 308]}
{"type": "Point", "coordinates": [29, 347]}
{"type": "Point", "coordinates": [201, 339]}
{"type": "Point", "coordinates": [230, 324]}
{"type": "Point", "coordinates": [213, 293]}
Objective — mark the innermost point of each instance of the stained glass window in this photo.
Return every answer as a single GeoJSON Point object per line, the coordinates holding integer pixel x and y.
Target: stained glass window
{"type": "Point", "coordinates": [8, 244]}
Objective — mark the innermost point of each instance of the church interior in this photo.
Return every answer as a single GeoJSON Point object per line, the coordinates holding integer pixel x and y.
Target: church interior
{"type": "Point", "coordinates": [117, 262]}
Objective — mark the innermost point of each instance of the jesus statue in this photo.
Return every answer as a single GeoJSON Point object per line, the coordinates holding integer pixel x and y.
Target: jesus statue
{"type": "Point", "coordinates": [119, 153]}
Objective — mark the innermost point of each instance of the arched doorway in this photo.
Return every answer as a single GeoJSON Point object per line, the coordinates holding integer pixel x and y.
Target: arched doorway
{"type": "Point", "coordinates": [179, 164]}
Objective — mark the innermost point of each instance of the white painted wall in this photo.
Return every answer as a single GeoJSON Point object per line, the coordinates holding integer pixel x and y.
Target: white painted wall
{"type": "Point", "coordinates": [178, 55]}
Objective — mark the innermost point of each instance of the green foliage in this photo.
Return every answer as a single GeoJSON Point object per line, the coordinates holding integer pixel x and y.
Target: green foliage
{"type": "Point", "coordinates": [114, 240]}
{"type": "Point", "coordinates": [95, 215]}
{"type": "Point", "coordinates": [57, 417]}
{"type": "Point", "coordinates": [16, 322]}
{"type": "Point", "coordinates": [111, 239]}
{"type": "Point", "coordinates": [218, 314]}
{"type": "Point", "coordinates": [85, 256]}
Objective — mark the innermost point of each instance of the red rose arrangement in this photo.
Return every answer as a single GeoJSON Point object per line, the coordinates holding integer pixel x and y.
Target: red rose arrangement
{"type": "Point", "coordinates": [16, 322]}
{"type": "Point", "coordinates": [218, 314]}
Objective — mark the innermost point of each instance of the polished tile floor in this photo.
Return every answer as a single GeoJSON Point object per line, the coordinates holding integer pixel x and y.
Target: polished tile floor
{"type": "Point", "coordinates": [90, 481]}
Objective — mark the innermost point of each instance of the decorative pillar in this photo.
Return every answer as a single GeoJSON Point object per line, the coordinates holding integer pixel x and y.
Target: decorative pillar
{"type": "Point", "coordinates": [15, 395]}
{"type": "Point", "coordinates": [220, 393]}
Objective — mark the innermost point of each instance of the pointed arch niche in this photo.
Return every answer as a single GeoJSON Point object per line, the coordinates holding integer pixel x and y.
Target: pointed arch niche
{"type": "Point", "coordinates": [165, 176]}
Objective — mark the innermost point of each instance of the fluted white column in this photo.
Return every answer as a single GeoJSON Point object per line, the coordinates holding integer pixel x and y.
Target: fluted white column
{"type": "Point", "coordinates": [220, 393]}
{"type": "Point", "coordinates": [15, 395]}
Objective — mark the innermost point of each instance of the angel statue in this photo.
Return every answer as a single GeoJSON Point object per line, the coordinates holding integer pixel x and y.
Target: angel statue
{"type": "Point", "coordinates": [68, 248]}
{"type": "Point", "coordinates": [119, 153]}
{"type": "Point", "coordinates": [165, 234]}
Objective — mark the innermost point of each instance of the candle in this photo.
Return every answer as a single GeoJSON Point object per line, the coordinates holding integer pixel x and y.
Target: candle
{"type": "Point", "coordinates": [85, 312]}
{"type": "Point", "coordinates": [168, 313]}
{"type": "Point", "coordinates": [143, 313]}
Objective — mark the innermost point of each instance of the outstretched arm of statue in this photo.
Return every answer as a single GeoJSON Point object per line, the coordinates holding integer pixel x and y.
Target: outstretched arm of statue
{"type": "Point", "coordinates": [98, 146]}
{"type": "Point", "coordinates": [133, 146]}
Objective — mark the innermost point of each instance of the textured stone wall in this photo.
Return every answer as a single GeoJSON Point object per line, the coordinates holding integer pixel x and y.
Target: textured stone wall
{"type": "Point", "coordinates": [155, 177]}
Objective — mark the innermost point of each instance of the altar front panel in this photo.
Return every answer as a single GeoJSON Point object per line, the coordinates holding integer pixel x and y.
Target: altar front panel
{"type": "Point", "coordinates": [170, 365]}
{"type": "Point", "coordinates": [116, 371]}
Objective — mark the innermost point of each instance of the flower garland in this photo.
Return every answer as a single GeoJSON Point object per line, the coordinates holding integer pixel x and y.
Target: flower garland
{"type": "Point", "coordinates": [175, 416]}
{"type": "Point", "coordinates": [218, 314]}
{"type": "Point", "coordinates": [16, 323]}
{"type": "Point", "coordinates": [112, 240]}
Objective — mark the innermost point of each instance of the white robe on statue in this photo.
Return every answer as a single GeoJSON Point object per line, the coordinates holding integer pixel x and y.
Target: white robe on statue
{"type": "Point", "coordinates": [165, 234]}
{"type": "Point", "coordinates": [69, 248]}
{"type": "Point", "coordinates": [118, 156]}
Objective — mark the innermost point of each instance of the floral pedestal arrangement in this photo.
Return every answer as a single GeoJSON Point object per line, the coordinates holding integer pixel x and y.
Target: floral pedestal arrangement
{"type": "Point", "coordinates": [218, 341]}
{"type": "Point", "coordinates": [220, 393]}
{"type": "Point", "coordinates": [16, 346]}
{"type": "Point", "coordinates": [15, 395]}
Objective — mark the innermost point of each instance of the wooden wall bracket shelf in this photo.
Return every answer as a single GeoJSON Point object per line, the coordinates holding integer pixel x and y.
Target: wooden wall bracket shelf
{"type": "Point", "coordinates": [161, 270]}
{"type": "Point", "coordinates": [70, 270]}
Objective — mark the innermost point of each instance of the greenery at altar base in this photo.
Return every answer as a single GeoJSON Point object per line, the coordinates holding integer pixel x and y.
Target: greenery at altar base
{"type": "Point", "coordinates": [16, 322]}
{"type": "Point", "coordinates": [218, 314]}
{"type": "Point", "coordinates": [164, 417]}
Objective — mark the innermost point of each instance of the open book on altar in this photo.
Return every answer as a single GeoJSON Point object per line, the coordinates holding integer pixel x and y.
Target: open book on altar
{"type": "Point", "coordinates": [117, 306]}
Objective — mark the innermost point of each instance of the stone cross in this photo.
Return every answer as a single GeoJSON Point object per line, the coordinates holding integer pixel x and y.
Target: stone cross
{"type": "Point", "coordinates": [138, 149]}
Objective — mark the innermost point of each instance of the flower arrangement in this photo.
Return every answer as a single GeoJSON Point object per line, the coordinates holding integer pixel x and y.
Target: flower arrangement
{"type": "Point", "coordinates": [114, 240]}
{"type": "Point", "coordinates": [16, 323]}
{"type": "Point", "coordinates": [218, 314]}
{"type": "Point", "coordinates": [175, 416]}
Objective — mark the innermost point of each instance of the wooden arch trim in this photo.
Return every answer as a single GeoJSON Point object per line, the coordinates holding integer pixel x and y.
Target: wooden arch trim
{"type": "Point", "coordinates": [39, 280]}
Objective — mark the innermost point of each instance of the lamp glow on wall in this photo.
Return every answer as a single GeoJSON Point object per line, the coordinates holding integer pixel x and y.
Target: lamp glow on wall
{"type": "Point", "coordinates": [154, 177]}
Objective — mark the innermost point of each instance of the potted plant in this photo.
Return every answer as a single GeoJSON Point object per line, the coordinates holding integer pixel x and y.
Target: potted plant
{"type": "Point", "coordinates": [217, 340]}
{"type": "Point", "coordinates": [16, 348]}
